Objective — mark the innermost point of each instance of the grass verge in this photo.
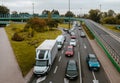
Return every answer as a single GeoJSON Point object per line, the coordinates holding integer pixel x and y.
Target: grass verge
{"type": "Point", "coordinates": [111, 27]}
{"type": "Point", "coordinates": [24, 50]}
{"type": "Point", "coordinates": [90, 35]}
{"type": "Point", "coordinates": [65, 25]}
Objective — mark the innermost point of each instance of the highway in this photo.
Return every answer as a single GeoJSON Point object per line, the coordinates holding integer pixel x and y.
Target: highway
{"type": "Point", "coordinates": [57, 72]}
{"type": "Point", "coordinates": [107, 39]}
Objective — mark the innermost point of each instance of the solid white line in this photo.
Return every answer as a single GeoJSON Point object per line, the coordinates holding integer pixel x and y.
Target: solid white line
{"type": "Point", "coordinates": [94, 81]}
{"type": "Point", "coordinates": [59, 59]}
{"type": "Point", "coordinates": [94, 75]}
{"type": "Point", "coordinates": [79, 67]}
{"type": "Point", "coordinates": [64, 46]}
{"type": "Point", "coordinates": [50, 82]}
{"type": "Point", "coordinates": [55, 69]}
{"type": "Point", "coordinates": [66, 80]}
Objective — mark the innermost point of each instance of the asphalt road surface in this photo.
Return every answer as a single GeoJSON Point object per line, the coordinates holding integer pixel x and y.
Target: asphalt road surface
{"type": "Point", "coordinates": [113, 43]}
{"type": "Point", "coordinates": [57, 72]}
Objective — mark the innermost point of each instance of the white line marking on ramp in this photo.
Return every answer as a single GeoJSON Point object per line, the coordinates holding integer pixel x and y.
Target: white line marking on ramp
{"type": "Point", "coordinates": [40, 79]}
{"type": "Point", "coordinates": [66, 80]}
{"type": "Point", "coordinates": [55, 69]}
{"type": "Point", "coordinates": [50, 82]}
{"type": "Point", "coordinates": [94, 81]}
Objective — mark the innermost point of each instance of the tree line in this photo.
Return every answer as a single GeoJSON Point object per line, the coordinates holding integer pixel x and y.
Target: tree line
{"type": "Point", "coordinates": [109, 17]}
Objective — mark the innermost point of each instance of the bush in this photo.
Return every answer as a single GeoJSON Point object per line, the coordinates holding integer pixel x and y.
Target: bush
{"type": "Point", "coordinates": [17, 37]}
{"type": "Point", "coordinates": [36, 24]}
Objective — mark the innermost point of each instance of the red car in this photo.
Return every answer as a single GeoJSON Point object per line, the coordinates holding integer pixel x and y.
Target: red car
{"type": "Point", "coordinates": [73, 37]}
{"type": "Point", "coordinates": [69, 51]}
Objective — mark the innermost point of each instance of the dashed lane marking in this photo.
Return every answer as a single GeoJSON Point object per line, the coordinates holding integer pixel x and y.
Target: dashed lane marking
{"type": "Point", "coordinates": [55, 69]}
{"type": "Point", "coordinates": [59, 59]}
{"type": "Point", "coordinates": [40, 79]}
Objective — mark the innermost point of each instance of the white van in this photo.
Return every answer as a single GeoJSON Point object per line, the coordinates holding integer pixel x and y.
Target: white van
{"type": "Point", "coordinates": [60, 41]}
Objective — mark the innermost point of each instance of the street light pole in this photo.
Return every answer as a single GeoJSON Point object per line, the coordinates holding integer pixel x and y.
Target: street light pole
{"type": "Point", "coordinates": [69, 12]}
{"type": "Point", "coordinates": [33, 9]}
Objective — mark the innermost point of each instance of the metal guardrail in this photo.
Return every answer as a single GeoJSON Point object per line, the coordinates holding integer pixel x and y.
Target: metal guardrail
{"type": "Point", "coordinates": [111, 53]}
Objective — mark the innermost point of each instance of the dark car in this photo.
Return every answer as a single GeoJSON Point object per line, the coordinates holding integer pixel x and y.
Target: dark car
{"type": "Point", "coordinates": [71, 70]}
{"type": "Point", "coordinates": [93, 62]}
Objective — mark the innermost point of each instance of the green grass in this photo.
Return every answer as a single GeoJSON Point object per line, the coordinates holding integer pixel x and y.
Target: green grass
{"type": "Point", "coordinates": [24, 51]}
{"type": "Point", "coordinates": [65, 25]}
{"type": "Point", "coordinates": [90, 35]}
{"type": "Point", "coordinates": [111, 27]}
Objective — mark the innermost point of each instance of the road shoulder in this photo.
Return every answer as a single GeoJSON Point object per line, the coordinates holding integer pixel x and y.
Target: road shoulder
{"type": "Point", "coordinates": [108, 67]}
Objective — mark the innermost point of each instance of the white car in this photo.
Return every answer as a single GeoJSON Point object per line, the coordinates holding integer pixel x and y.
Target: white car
{"type": "Point", "coordinates": [73, 42]}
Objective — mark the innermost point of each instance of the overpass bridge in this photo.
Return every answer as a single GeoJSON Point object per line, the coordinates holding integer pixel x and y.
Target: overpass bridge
{"type": "Point", "coordinates": [6, 18]}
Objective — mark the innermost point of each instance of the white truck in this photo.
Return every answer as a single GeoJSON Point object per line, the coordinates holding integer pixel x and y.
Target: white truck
{"type": "Point", "coordinates": [60, 41]}
{"type": "Point", "coordinates": [45, 55]}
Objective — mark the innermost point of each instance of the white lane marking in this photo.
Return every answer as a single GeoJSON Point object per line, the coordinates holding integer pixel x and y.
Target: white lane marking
{"type": "Point", "coordinates": [94, 75]}
{"type": "Point", "coordinates": [55, 69]}
{"type": "Point", "coordinates": [59, 59]}
{"type": "Point", "coordinates": [50, 82]}
{"type": "Point", "coordinates": [62, 51]}
{"type": "Point", "coordinates": [94, 81]}
{"type": "Point", "coordinates": [64, 46]}
{"type": "Point", "coordinates": [66, 80]}
{"type": "Point", "coordinates": [79, 67]}
{"type": "Point", "coordinates": [84, 46]}
{"type": "Point", "coordinates": [40, 79]}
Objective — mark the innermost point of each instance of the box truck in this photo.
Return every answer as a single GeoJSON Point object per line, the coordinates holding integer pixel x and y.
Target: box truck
{"type": "Point", "coordinates": [45, 55]}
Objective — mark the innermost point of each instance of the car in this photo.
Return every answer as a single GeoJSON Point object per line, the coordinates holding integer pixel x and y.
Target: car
{"type": "Point", "coordinates": [73, 42]}
{"type": "Point", "coordinates": [69, 51]}
{"type": "Point", "coordinates": [93, 62]}
{"type": "Point", "coordinates": [73, 37]}
{"type": "Point", "coordinates": [80, 28]}
{"type": "Point", "coordinates": [71, 71]}
{"type": "Point", "coordinates": [72, 33]}
{"type": "Point", "coordinates": [82, 34]}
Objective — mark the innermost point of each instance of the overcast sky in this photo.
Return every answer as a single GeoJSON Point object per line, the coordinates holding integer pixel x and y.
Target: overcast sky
{"type": "Point", "coordinates": [76, 6]}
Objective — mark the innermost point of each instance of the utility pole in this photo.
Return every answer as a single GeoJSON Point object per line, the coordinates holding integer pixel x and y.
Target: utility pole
{"type": "Point", "coordinates": [100, 7]}
{"type": "Point", "coordinates": [33, 9]}
{"type": "Point", "coordinates": [69, 11]}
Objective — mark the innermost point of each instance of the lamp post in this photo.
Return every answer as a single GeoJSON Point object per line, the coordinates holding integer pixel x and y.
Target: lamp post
{"type": "Point", "coordinates": [69, 12]}
{"type": "Point", "coordinates": [33, 9]}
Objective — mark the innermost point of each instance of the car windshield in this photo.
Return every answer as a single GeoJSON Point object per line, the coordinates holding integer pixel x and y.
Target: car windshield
{"type": "Point", "coordinates": [69, 49]}
{"type": "Point", "coordinates": [71, 67]}
{"type": "Point", "coordinates": [93, 59]}
{"type": "Point", "coordinates": [41, 62]}
{"type": "Point", "coordinates": [59, 43]}
{"type": "Point", "coordinates": [72, 40]}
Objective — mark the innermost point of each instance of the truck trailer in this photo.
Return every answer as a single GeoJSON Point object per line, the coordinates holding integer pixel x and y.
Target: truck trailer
{"type": "Point", "coordinates": [45, 55]}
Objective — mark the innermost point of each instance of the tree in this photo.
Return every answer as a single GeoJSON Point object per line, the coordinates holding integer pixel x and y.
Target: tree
{"type": "Point", "coordinates": [55, 12]}
{"type": "Point", "coordinates": [69, 14]}
{"type": "Point", "coordinates": [111, 13]}
{"type": "Point", "coordinates": [95, 15]}
{"type": "Point", "coordinates": [4, 10]}
{"type": "Point", "coordinates": [45, 12]}
{"type": "Point", "coordinates": [36, 24]}
{"type": "Point", "coordinates": [118, 16]}
{"type": "Point", "coordinates": [52, 23]}
{"type": "Point", "coordinates": [109, 20]}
